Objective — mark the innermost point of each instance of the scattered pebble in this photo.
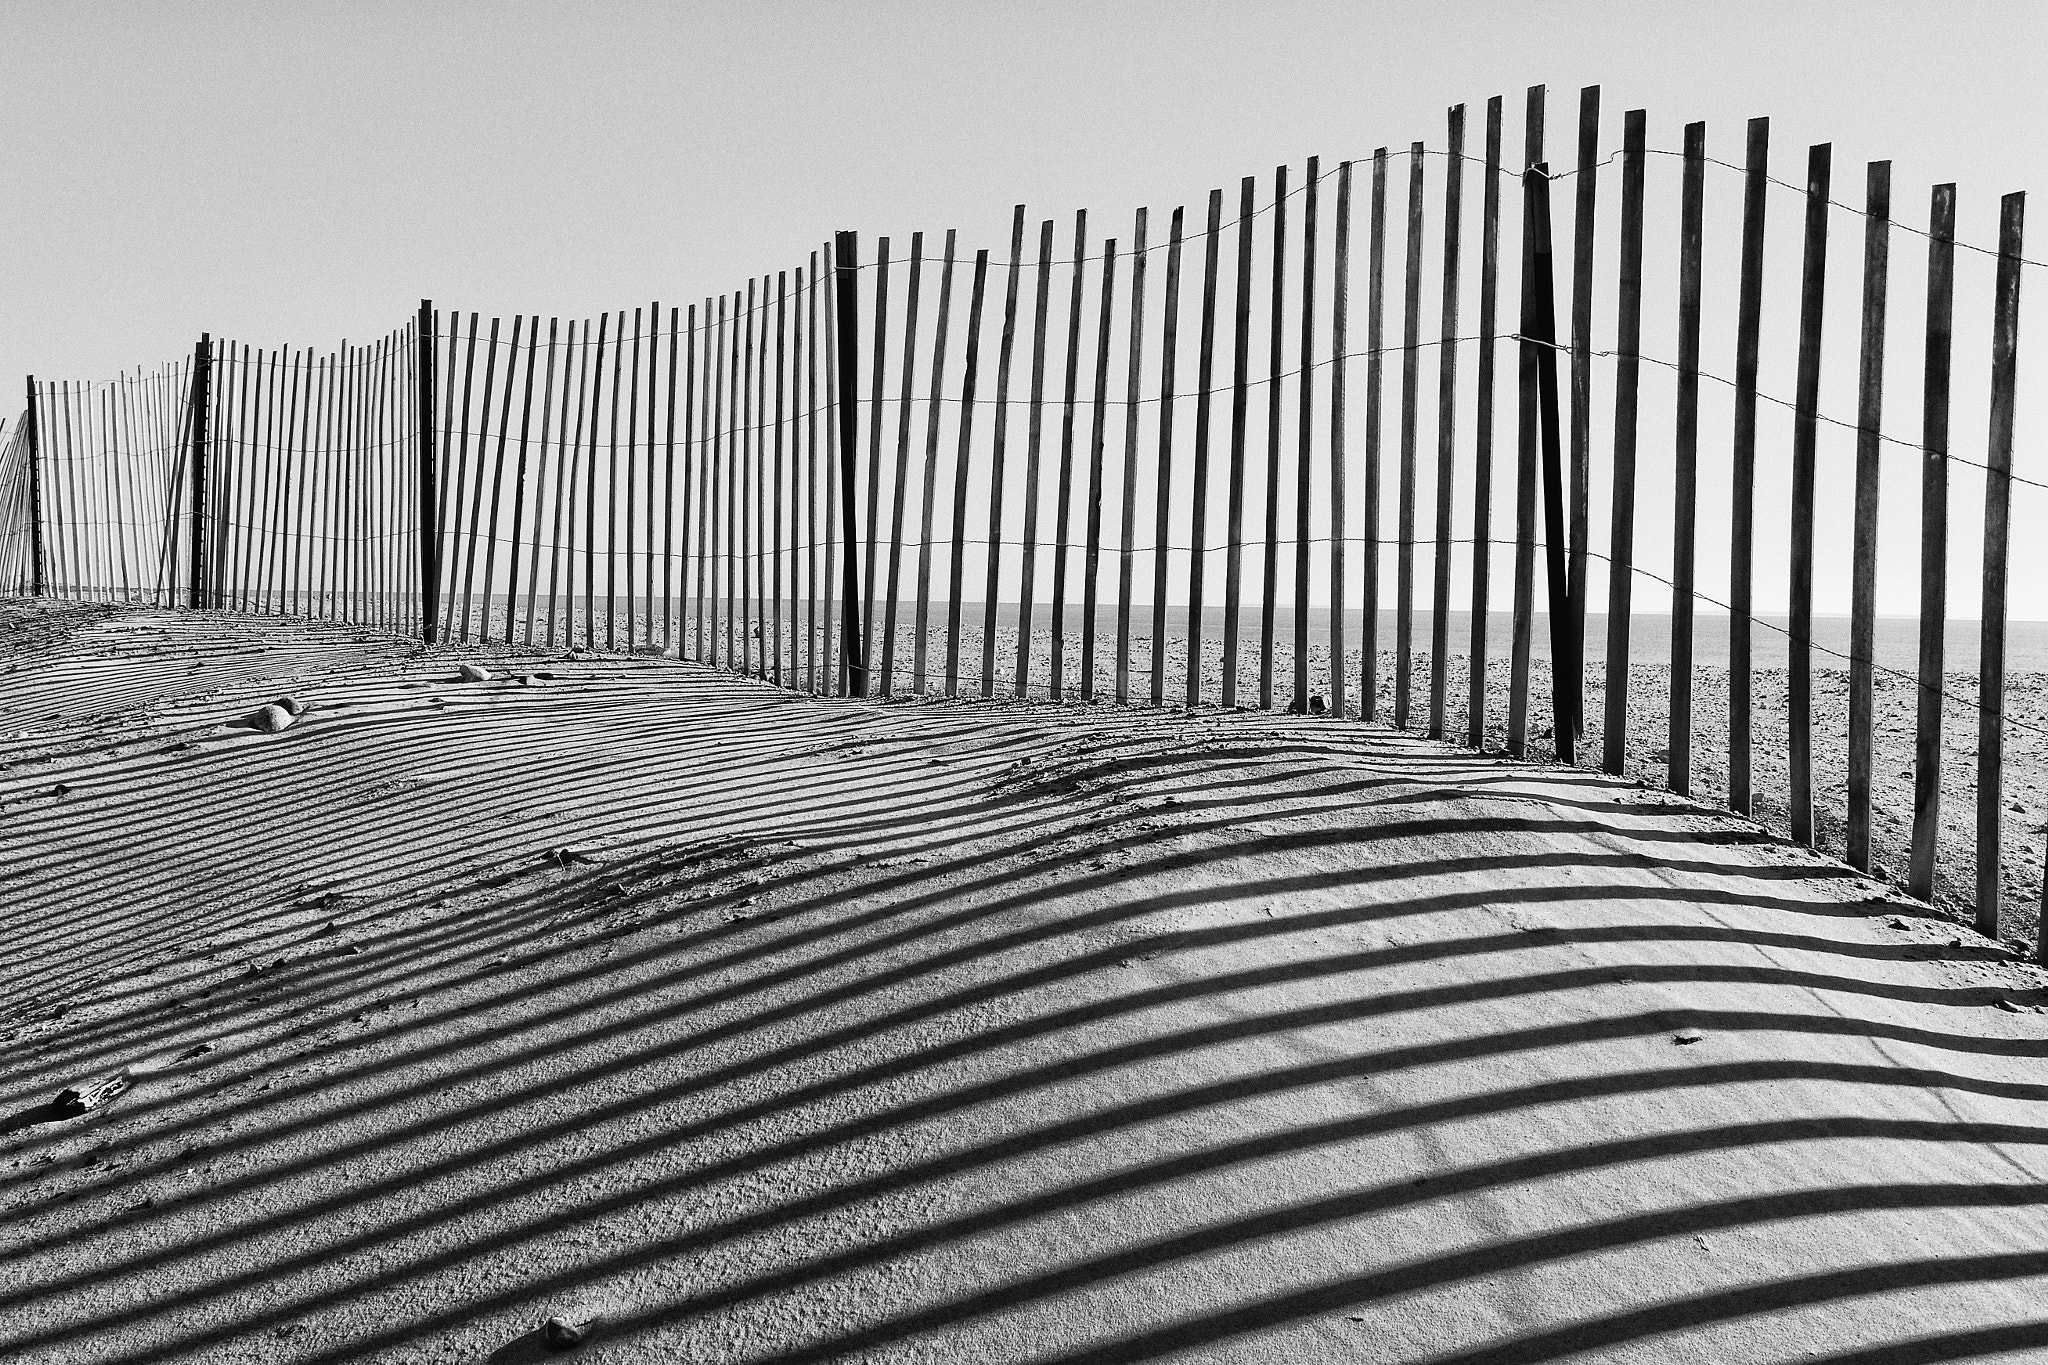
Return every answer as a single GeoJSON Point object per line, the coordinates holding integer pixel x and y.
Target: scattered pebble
{"type": "Point", "coordinates": [196, 1050]}
{"type": "Point", "coordinates": [563, 1332]}
{"type": "Point", "coordinates": [1898, 923]}
{"type": "Point", "coordinates": [567, 854]}
{"type": "Point", "coordinates": [1686, 1037]}
{"type": "Point", "coordinates": [270, 719]}
{"type": "Point", "coordinates": [291, 704]}
{"type": "Point", "coordinates": [2009, 1007]}
{"type": "Point", "coordinates": [473, 673]}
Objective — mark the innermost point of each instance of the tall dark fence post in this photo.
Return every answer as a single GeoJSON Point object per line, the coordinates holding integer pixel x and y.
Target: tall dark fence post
{"type": "Point", "coordinates": [2005, 337]}
{"type": "Point", "coordinates": [1539, 330]}
{"type": "Point", "coordinates": [1863, 582]}
{"type": "Point", "coordinates": [202, 399]}
{"type": "Point", "coordinates": [1941, 253]}
{"type": "Point", "coordinates": [1799, 644]}
{"type": "Point", "coordinates": [35, 495]}
{"type": "Point", "coordinates": [430, 532]}
{"type": "Point", "coordinates": [852, 635]}
{"type": "Point", "coordinates": [1621, 534]}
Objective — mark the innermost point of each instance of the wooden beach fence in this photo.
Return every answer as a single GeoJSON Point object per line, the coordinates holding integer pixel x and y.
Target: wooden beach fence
{"type": "Point", "coordinates": [935, 469]}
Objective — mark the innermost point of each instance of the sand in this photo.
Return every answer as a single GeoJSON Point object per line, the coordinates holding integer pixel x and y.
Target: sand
{"type": "Point", "coordinates": [759, 1027]}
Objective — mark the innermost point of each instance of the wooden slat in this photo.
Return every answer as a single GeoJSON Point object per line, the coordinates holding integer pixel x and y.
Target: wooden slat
{"type": "Point", "coordinates": [563, 521]}
{"type": "Point", "coordinates": [743, 485]}
{"type": "Point", "coordinates": [832, 676]}
{"type": "Point", "coordinates": [461, 630]}
{"type": "Point", "coordinates": [1162, 489]}
{"type": "Point", "coordinates": [540, 483]}
{"type": "Point", "coordinates": [1482, 434]}
{"type": "Point", "coordinates": [1340, 367]}
{"type": "Point", "coordinates": [880, 355]}
{"type": "Point", "coordinates": [455, 450]}
{"type": "Point", "coordinates": [1063, 514]}
{"type": "Point", "coordinates": [1411, 379]}
{"type": "Point", "coordinates": [1304, 433]}
{"type": "Point", "coordinates": [934, 414]}
{"type": "Point", "coordinates": [652, 484]}
{"type": "Point", "coordinates": [1742, 501]}
{"type": "Point", "coordinates": [1276, 359]}
{"type": "Point", "coordinates": [1033, 444]}
{"type": "Point", "coordinates": [1240, 377]}
{"type": "Point", "coordinates": [718, 504]}
{"type": "Point", "coordinates": [1526, 474]}
{"type": "Point", "coordinates": [1092, 556]}
{"type": "Point", "coordinates": [970, 366]}
{"type": "Point", "coordinates": [670, 643]}
{"type": "Point", "coordinates": [776, 650]}
{"type": "Point", "coordinates": [1446, 426]}
{"type": "Point", "coordinates": [1685, 482]}
{"type": "Point", "coordinates": [514, 541]}
{"type": "Point", "coordinates": [1863, 574]}
{"type": "Point", "coordinates": [1540, 326]}
{"type": "Point", "coordinates": [1205, 377]}
{"type": "Point", "coordinates": [853, 635]}
{"type": "Point", "coordinates": [1799, 644]}
{"type": "Point", "coordinates": [632, 391]}
{"type": "Point", "coordinates": [999, 448]}
{"type": "Point", "coordinates": [807, 350]}
{"type": "Point", "coordinates": [1133, 376]}
{"type": "Point", "coordinates": [2005, 329]}
{"type": "Point", "coordinates": [1375, 342]}
{"type": "Point", "coordinates": [512, 363]}
{"type": "Point", "coordinates": [885, 682]}
{"type": "Point", "coordinates": [1621, 530]}
{"type": "Point", "coordinates": [1584, 221]}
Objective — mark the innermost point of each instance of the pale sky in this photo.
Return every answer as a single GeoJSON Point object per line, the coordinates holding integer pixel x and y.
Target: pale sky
{"type": "Point", "coordinates": [302, 173]}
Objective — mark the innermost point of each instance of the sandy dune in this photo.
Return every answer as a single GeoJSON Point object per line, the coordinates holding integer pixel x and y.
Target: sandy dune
{"type": "Point", "coordinates": [764, 1028]}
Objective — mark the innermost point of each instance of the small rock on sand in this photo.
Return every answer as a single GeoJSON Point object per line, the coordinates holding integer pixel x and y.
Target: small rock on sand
{"type": "Point", "coordinates": [270, 719]}
{"type": "Point", "coordinates": [473, 673]}
{"type": "Point", "coordinates": [1686, 1037]}
{"type": "Point", "coordinates": [291, 704]}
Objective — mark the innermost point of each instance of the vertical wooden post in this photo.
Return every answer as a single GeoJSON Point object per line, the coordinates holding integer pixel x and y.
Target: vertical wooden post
{"type": "Point", "coordinates": [1411, 382]}
{"type": "Point", "coordinates": [429, 533]}
{"type": "Point", "coordinates": [1133, 377]}
{"type": "Point", "coordinates": [519, 477]}
{"type": "Point", "coordinates": [1276, 355]}
{"type": "Point", "coordinates": [1584, 220]}
{"type": "Point", "coordinates": [1941, 256]}
{"type": "Point", "coordinates": [2005, 336]}
{"type": "Point", "coordinates": [1621, 533]}
{"type": "Point", "coordinates": [38, 582]}
{"type": "Point", "coordinates": [1169, 356]}
{"type": "Point", "coordinates": [1199, 521]}
{"type": "Point", "coordinates": [1742, 499]}
{"type": "Point", "coordinates": [934, 410]}
{"type": "Point", "coordinates": [1799, 644]}
{"type": "Point", "coordinates": [1233, 545]}
{"type": "Point", "coordinates": [202, 402]}
{"type": "Point", "coordinates": [853, 639]}
{"type": "Point", "coordinates": [775, 651]}
{"type": "Point", "coordinates": [881, 348]}
{"type": "Point", "coordinates": [1092, 553]}
{"type": "Point", "coordinates": [1685, 492]}
{"type": "Point", "coordinates": [1340, 366]}
{"type": "Point", "coordinates": [970, 374]}
{"type": "Point", "coordinates": [1526, 469]}
{"type": "Point", "coordinates": [1540, 329]}
{"type": "Point", "coordinates": [808, 348]}
{"type": "Point", "coordinates": [885, 685]}
{"type": "Point", "coordinates": [1063, 516]}
{"type": "Point", "coordinates": [671, 630]}
{"type": "Point", "coordinates": [1033, 445]}
{"type": "Point", "coordinates": [632, 457]}
{"type": "Point", "coordinates": [998, 450]}
{"type": "Point", "coordinates": [1304, 435]}
{"type": "Point", "coordinates": [1863, 587]}
{"type": "Point", "coordinates": [1375, 324]}
{"type": "Point", "coordinates": [1446, 428]}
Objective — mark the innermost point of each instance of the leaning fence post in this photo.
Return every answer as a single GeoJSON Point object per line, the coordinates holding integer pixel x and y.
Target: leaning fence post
{"type": "Point", "coordinates": [852, 634]}
{"type": "Point", "coordinates": [35, 495]}
{"type": "Point", "coordinates": [430, 532]}
{"type": "Point", "coordinates": [2005, 337]}
{"type": "Point", "coordinates": [202, 388]}
{"type": "Point", "coordinates": [1539, 327]}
